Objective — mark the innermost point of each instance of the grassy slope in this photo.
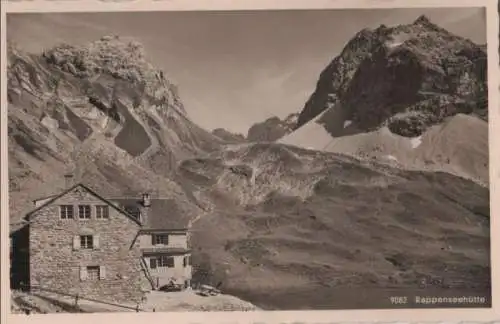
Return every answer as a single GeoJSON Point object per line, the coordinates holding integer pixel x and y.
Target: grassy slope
{"type": "Point", "coordinates": [361, 226]}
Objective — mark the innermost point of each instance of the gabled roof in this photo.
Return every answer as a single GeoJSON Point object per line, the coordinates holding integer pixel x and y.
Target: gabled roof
{"type": "Point", "coordinates": [108, 202]}
{"type": "Point", "coordinates": [163, 214]}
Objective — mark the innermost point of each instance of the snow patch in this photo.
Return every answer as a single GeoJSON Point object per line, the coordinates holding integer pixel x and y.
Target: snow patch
{"type": "Point", "coordinates": [104, 122]}
{"type": "Point", "coordinates": [93, 114]}
{"type": "Point", "coordinates": [416, 141]}
{"type": "Point", "coordinates": [394, 44]}
{"type": "Point", "coordinates": [347, 123]}
{"type": "Point", "coordinates": [398, 40]}
{"type": "Point", "coordinates": [50, 123]}
{"type": "Point", "coordinates": [311, 135]}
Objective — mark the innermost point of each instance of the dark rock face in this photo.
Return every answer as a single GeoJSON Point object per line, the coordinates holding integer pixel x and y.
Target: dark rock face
{"type": "Point", "coordinates": [419, 72]}
{"type": "Point", "coordinates": [272, 129]}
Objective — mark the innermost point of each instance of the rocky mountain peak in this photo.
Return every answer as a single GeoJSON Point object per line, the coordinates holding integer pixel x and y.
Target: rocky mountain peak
{"type": "Point", "coordinates": [369, 81]}
{"type": "Point", "coordinates": [119, 58]}
{"type": "Point", "coordinates": [423, 20]}
{"type": "Point", "coordinates": [110, 54]}
{"type": "Point", "coordinates": [103, 109]}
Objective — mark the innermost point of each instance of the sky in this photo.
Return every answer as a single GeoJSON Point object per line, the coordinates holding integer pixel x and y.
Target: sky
{"type": "Point", "coordinates": [234, 69]}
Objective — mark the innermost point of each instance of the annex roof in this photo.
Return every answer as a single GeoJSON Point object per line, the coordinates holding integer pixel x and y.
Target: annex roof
{"type": "Point", "coordinates": [162, 214]}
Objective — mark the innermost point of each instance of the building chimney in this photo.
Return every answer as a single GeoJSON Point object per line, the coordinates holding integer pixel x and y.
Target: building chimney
{"type": "Point", "coordinates": [68, 178]}
{"type": "Point", "coordinates": [146, 199]}
{"type": "Point", "coordinates": [146, 203]}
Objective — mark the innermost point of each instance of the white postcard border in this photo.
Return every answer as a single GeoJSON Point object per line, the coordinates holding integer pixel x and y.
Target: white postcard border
{"type": "Point", "coordinates": [334, 316]}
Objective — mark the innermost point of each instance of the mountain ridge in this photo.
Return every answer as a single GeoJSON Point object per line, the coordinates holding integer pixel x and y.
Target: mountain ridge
{"type": "Point", "coordinates": [364, 104]}
{"type": "Point", "coordinates": [67, 112]}
{"type": "Point", "coordinates": [445, 61]}
{"type": "Point", "coordinates": [272, 128]}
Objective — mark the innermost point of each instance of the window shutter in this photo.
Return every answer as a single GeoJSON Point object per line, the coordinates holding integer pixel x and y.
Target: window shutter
{"type": "Point", "coordinates": [170, 262]}
{"type": "Point", "coordinates": [83, 273]}
{"type": "Point", "coordinates": [102, 272]}
{"type": "Point", "coordinates": [76, 242]}
{"type": "Point", "coordinates": [153, 242]}
{"type": "Point", "coordinates": [96, 241]}
{"type": "Point", "coordinates": [152, 263]}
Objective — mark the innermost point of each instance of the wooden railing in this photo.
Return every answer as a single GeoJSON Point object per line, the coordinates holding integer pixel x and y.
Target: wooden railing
{"type": "Point", "coordinates": [78, 297]}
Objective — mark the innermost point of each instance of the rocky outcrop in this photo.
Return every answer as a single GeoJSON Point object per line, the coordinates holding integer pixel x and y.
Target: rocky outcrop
{"type": "Point", "coordinates": [102, 110]}
{"type": "Point", "coordinates": [407, 77]}
{"type": "Point", "coordinates": [122, 60]}
{"type": "Point", "coordinates": [228, 136]}
{"type": "Point", "coordinates": [272, 129]}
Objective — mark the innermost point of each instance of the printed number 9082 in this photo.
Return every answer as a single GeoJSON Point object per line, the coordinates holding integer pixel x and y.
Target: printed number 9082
{"type": "Point", "coordinates": [399, 300]}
